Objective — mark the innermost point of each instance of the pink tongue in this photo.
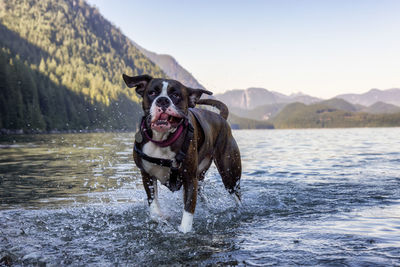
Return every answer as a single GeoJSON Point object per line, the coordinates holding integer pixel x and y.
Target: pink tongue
{"type": "Point", "coordinates": [164, 116]}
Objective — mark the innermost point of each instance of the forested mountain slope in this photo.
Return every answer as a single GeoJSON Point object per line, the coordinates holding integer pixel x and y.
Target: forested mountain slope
{"type": "Point", "coordinates": [60, 68]}
{"type": "Point", "coordinates": [330, 114]}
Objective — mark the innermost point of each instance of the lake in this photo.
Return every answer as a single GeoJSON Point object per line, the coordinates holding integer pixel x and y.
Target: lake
{"type": "Point", "coordinates": [328, 197]}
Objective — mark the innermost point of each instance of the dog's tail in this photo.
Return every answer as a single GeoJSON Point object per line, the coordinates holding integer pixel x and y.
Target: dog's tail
{"type": "Point", "coordinates": [223, 109]}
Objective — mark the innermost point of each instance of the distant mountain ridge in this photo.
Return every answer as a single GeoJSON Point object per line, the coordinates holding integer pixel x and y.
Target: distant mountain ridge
{"type": "Point", "coordinates": [262, 104]}
{"type": "Point", "coordinates": [389, 96]}
{"type": "Point", "coordinates": [333, 113]}
{"type": "Point", "coordinates": [171, 67]}
{"type": "Point", "coordinates": [252, 98]}
{"type": "Point", "coordinates": [380, 108]}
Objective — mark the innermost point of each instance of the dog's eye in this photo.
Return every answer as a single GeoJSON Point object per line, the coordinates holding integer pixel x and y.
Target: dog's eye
{"type": "Point", "coordinates": [152, 93]}
{"type": "Point", "coordinates": [176, 95]}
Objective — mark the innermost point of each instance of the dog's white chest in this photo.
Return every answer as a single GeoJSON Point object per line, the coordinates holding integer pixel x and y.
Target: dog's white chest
{"type": "Point", "coordinates": [152, 150]}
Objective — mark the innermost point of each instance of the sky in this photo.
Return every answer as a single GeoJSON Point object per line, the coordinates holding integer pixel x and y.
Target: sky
{"type": "Point", "coordinates": [318, 47]}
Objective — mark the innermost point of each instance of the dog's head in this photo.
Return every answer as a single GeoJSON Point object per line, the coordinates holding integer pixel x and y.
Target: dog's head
{"type": "Point", "coordinates": [165, 101]}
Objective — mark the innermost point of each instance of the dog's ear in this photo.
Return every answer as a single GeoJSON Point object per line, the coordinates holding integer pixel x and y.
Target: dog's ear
{"type": "Point", "coordinates": [140, 82]}
{"type": "Point", "coordinates": [195, 94]}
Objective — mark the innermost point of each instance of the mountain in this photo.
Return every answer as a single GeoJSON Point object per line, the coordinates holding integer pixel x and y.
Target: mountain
{"type": "Point", "coordinates": [252, 98]}
{"type": "Point", "coordinates": [341, 104]}
{"type": "Point", "coordinates": [171, 67]}
{"type": "Point", "coordinates": [320, 115]}
{"type": "Point", "coordinates": [269, 111]}
{"type": "Point", "coordinates": [381, 108]}
{"type": "Point", "coordinates": [60, 68]}
{"type": "Point", "coordinates": [390, 96]}
{"type": "Point", "coordinates": [247, 99]}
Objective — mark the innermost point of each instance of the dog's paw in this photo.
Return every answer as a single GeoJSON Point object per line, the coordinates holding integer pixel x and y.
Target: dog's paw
{"type": "Point", "coordinates": [185, 228]}
{"type": "Point", "coordinates": [237, 197]}
{"type": "Point", "coordinates": [159, 217]}
{"type": "Point", "coordinates": [187, 222]}
{"type": "Point", "coordinates": [155, 212]}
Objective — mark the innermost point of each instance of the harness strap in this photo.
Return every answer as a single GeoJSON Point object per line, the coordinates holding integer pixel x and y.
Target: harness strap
{"type": "Point", "coordinates": [158, 161]}
{"type": "Point", "coordinates": [185, 146]}
{"type": "Point", "coordinates": [175, 182]}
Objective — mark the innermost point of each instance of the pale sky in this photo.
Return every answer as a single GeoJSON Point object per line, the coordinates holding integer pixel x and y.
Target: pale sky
{"type": "Point", "coordinates": [318, 47]}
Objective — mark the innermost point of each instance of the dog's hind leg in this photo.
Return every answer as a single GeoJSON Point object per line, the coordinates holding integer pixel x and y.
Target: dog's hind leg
{"type": "Point", "coordinates": [227, 160]}
{"type": "Point", "coordinates": [200, 192]}
{"type": "Point", "coordinates": [203, 167]}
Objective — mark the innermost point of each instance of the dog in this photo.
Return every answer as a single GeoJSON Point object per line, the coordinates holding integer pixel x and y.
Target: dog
{"type": "Point", "coordinates": [177, 142]}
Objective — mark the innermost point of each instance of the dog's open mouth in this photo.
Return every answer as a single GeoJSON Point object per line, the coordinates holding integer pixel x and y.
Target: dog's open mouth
{"type": "Point", "coordinates": [165, 122]}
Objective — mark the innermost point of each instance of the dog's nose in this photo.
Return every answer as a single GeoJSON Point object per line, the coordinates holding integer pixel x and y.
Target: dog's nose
{"type": "Point", "coordinates": [163, 102]}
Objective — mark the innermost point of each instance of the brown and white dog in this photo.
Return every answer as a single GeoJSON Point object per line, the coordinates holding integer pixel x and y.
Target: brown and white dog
{"type": "Point", "coordinates": [177, 142]}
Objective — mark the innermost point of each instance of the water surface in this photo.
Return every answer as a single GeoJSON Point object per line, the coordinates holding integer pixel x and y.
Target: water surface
{"type": "Point", "coordinates": [311, 197]}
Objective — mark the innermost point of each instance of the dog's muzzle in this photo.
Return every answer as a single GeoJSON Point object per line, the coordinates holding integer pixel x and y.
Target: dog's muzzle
{"type": "Point", "coordinates": [165, 117]}
{"type": "Point", "coordinates": [163, 103]}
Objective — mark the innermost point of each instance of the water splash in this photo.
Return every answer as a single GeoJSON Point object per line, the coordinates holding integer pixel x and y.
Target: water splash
{"type": "Point", "coordinates": [324, 197]}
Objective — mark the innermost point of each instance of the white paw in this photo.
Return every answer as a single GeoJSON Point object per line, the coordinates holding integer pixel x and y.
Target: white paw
{"type": "Point", "coordinates": [185, 228]}
{"type": "Point", "coordinates": [187, 222]}
{"type": "Point", "coordinates": [155, 212]}
{"type": "Point", "coordinates": [238, 201]}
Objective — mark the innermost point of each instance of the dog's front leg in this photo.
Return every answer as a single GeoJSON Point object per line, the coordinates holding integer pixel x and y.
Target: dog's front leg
{"type": "Point", "coordinates": [150, 186]}
{"type": "Point", "coordinates": [189, 201]}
